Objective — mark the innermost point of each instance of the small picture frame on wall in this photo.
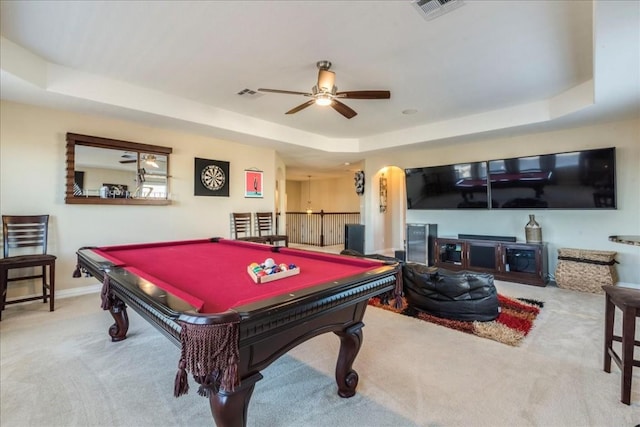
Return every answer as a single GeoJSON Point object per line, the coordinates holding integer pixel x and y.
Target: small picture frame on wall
{"type": "Point", "coordinates": [211, 178]}
{"type": "Point", "coordinates": [253, 183]}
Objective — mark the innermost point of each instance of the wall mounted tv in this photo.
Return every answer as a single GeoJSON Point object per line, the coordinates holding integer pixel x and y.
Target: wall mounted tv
{"type": "Point", "coordinates": [459, 186]}
{"type": "Point", "coordinates": [572, 180]}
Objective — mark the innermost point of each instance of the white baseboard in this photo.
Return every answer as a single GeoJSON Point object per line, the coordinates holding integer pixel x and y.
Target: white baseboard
{"type": "Point", "coordinates": [629, 285]}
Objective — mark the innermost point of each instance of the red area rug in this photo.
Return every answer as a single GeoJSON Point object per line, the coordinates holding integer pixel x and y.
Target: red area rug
{"type": "Point", "coordinates": [510, 327]}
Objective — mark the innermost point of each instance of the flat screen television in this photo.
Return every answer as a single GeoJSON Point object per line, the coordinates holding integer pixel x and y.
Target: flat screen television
{"type": "Point", "coordinates": [457, 186]}
{"type": "Point", "coordinates": [573, 180]}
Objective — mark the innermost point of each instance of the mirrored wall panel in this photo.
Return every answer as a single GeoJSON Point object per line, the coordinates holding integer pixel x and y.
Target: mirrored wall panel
{"type": "Point", "coordinates": [109, 171]}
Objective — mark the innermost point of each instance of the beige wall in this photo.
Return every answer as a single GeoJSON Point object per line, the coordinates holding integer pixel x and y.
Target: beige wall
{"type": "Point", "coordinates": [586, 229]}
{"type": "Point", "coordinates": [32, 181]}
{"type": "Point", "coordinates": [329, 195]}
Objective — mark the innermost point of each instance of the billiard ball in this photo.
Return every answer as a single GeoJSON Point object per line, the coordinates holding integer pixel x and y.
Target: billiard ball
{"type": "Point", "coordinates": [269, 262]}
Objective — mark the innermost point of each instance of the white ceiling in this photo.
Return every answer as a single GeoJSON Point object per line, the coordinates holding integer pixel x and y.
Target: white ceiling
{"type": "Point", "coordinates": [485, 68]}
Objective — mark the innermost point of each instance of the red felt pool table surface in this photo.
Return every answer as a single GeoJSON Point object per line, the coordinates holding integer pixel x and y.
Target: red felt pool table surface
{"type": "Point", "coordinates": [211, 275]}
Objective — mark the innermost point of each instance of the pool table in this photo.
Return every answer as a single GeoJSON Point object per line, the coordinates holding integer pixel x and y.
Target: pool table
{"type": "Point", "coordinates": [228, 327]}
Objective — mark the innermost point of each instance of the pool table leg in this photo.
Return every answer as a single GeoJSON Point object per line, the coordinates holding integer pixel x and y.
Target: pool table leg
{"type": "Point", "coordinates": [118, 310]}
{"type": "Point", "coordinates": [229, 408]}
{"type": "Point", "coordinates": [350, 342]}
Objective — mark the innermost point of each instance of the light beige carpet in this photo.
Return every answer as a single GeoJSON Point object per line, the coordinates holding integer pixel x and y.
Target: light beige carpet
{"type": "Point", "coordinates": [60, 369]}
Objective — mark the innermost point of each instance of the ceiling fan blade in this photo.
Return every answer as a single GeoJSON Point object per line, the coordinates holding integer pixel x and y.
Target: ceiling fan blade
{"type": "Point", "coordinates": [301, 107]}
{"type": "Point", "coordinates": [128, 161]}
{"type": "Point", "coordinates": [343, 109]}
{"type": "Point", "coordinates": [326, 80]}
{"type": "Point", "coordinates": [365, 94]}
{"type": "Point", "coordinates": [286, 92]}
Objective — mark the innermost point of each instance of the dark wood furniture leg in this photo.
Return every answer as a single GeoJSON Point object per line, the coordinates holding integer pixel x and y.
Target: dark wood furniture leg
{"type": "Point", "coordinates": [628, 301]}
{"type": "Point", "coordinates": [609, 316]}
{"type": "Point", "coordinates": [229, 408]}
{"type": "Point", "coordinates": [44, 284]}
{"type": "Point", "coordinates": [628, 341]}
{"type": "Point", "coordinates": [118, 310]}
{"type": "Point", "coordinates": [350, 342]}
{"type": "Point", "coordinates": [3, 291]}
{"type": "Point", "coordinates": [52, 284]}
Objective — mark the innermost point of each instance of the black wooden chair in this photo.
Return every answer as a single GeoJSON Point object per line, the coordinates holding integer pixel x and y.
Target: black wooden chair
{"type": "Point", "coordinates": [25, 247]}
{"type": "Point", "coordinates": [241, 228]}
{"type": "Point", "coordinates": [264, 221]}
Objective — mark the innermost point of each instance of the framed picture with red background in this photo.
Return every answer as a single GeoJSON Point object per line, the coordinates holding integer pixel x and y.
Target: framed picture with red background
{"type": "Point", "coordinates": [253, 183]}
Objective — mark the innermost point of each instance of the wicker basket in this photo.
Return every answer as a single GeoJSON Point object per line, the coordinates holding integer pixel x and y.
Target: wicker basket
{"type": "Point", "coordinates": [585, 270]}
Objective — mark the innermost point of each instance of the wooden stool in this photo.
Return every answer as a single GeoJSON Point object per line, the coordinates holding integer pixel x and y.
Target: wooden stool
{"type": "Point", "coordinates": [627, 300]}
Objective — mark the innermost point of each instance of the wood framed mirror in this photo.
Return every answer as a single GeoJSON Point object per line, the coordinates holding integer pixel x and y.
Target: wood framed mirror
{"type": "Point", "coordinates": [114, 172]}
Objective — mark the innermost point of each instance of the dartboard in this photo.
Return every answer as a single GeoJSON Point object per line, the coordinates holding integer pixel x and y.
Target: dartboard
{"type": "Point", "coordinates": [212, 177]}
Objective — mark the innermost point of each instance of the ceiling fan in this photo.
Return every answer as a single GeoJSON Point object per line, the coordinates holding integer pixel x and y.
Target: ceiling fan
{"type": "Point", "coordinates": [128, 158]}
{"type": "Point", "coordinates": [326, 93]}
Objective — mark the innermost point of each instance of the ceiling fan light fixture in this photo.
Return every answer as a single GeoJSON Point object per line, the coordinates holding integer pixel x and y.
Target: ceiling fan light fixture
{"type": "Point", "coordinates": [151, 161]}
{"type": "Point", "coordinates": [323, 100]}
{"type": "Point", "coordinates": [325, 93]}
{"type": "Point", "coordinates": [326, 80]}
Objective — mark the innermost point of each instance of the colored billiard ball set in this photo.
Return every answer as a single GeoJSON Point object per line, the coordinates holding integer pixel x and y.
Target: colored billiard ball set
{"type": "Point", "coordinates": [269, 271]}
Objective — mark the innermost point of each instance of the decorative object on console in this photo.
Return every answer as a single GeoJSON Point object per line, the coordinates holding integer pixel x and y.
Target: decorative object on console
{"type": "Point", "coordinates": [586, 270]}
{"type": "Point", "coordinates": [211, 178]}
{"type": "Point", "coordinates": [359, 182]}
{"type": "Point", "coordinates": [533, 231]}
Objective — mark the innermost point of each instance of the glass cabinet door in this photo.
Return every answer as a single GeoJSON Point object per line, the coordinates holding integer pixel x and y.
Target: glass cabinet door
{"type": "Point", "coordinates": [520, 260]}
{"type": "Point", "coordinates": [450, 253]}
{"type": "Point", "coordinates": [482, 256]}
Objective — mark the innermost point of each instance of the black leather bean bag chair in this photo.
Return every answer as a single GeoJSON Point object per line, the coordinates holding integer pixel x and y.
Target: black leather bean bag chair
{"type": "Point", "coordinates": [461, 295]}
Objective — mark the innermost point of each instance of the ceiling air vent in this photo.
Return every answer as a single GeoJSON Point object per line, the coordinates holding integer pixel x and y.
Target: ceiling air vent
{"type": "Point", "coordinates": [431, 9]}
{"type": "Point", "coordinates": [249, 93]}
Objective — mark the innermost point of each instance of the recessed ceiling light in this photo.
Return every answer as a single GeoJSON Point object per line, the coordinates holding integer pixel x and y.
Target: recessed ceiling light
{"type": "Point", "coordinates": [347, 163]}
{"type": "Point", "coordinates": [409, 111]}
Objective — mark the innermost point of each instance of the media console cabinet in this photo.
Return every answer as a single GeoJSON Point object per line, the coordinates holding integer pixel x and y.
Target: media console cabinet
{"type": "Point", "coordinates": [511, 261]}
